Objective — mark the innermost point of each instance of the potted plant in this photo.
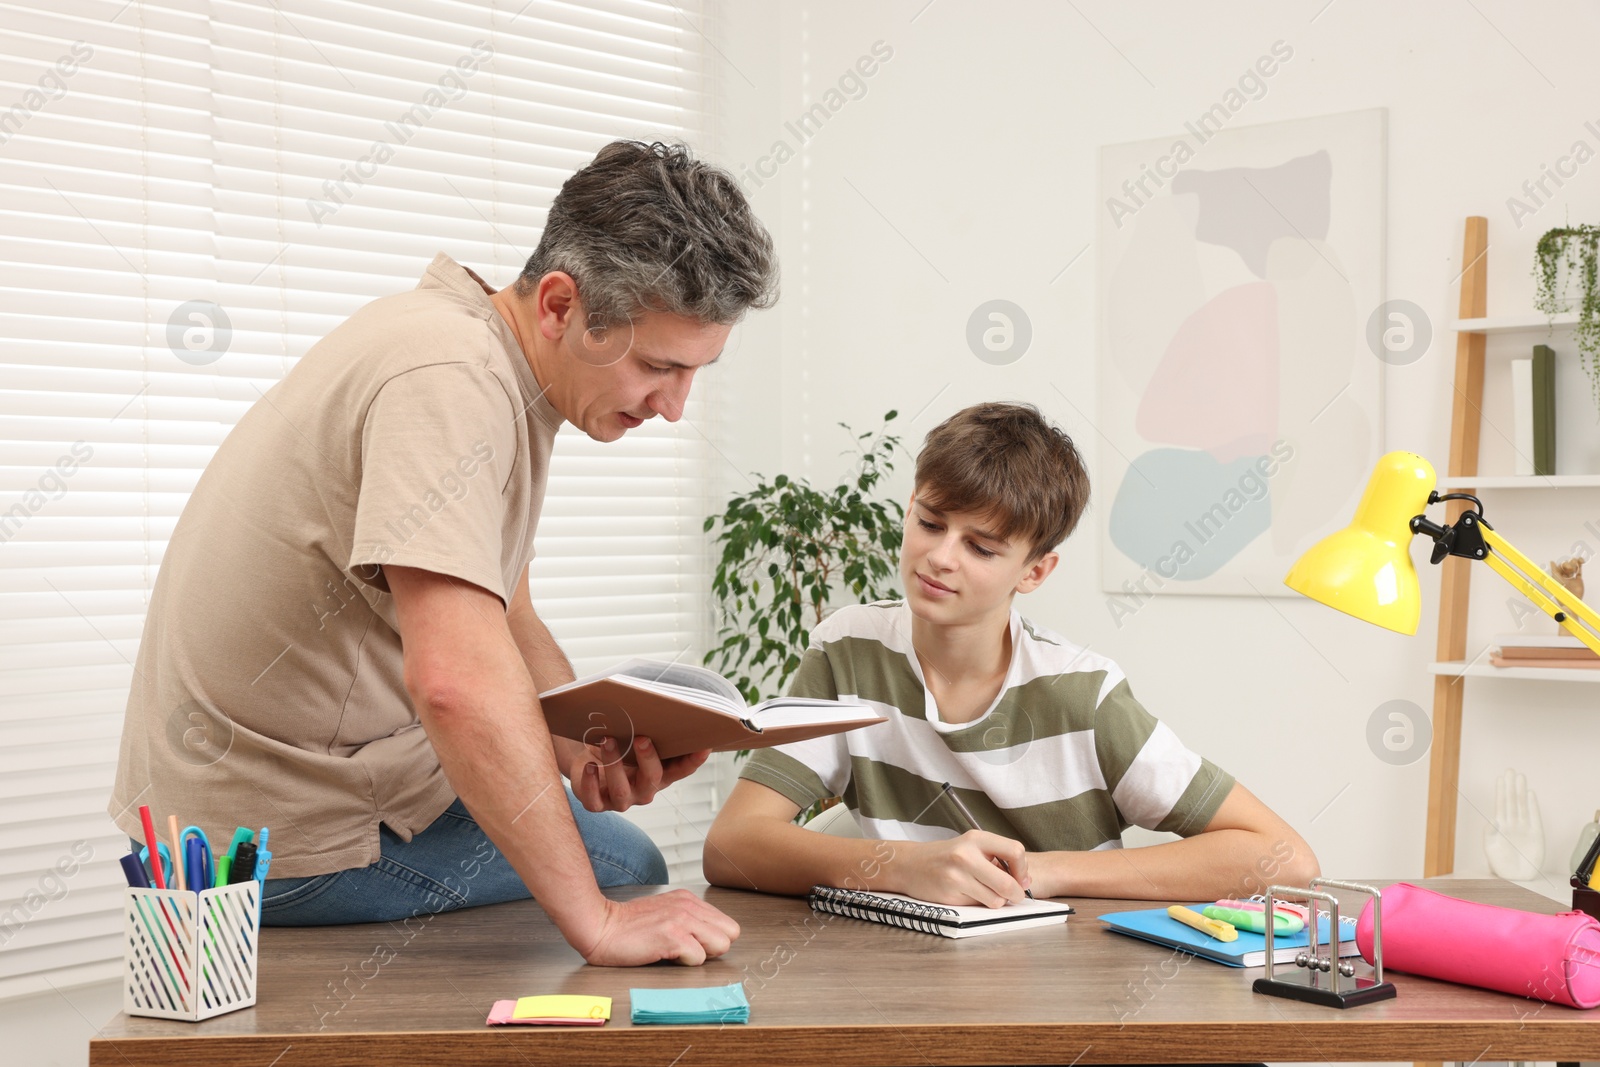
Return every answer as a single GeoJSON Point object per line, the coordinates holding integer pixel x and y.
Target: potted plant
{"type": "Point", "coordinates": [1562, 255]}
{"type": "Point", "coordinates": [787, 548]}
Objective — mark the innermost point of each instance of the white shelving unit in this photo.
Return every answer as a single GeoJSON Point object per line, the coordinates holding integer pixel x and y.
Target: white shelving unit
{"type": "Point", "coordinates": [1453, 666]}
{"type": "Point", "coordinates": [1512, 323]}
{"type": "Point", "coordinates": [1458, 669]}
{"type": "Point", "coordinates": [1524, 481]}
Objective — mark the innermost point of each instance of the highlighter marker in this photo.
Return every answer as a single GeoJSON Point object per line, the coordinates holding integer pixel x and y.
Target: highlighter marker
{"type": "Point", "coordinates": [1254, 921]}
{"type": "Point", "coordinates": [1283, 907]}
{"type": "Point", "coordinates": [1211, 927]}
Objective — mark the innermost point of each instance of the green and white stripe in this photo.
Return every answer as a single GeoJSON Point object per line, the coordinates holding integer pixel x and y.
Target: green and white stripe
{"type": "Point", "coordinates": [1064, 759]}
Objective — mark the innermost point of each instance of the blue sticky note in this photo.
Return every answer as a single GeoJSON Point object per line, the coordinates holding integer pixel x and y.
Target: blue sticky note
{"type": "Point", "coordinates": [712, 1004]}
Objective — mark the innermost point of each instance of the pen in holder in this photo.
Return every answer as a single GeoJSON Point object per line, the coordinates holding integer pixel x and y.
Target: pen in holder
{"type": "Point", "coordinates": [190, 955]}
{"type": "Point", "coordinates": [1307, 982]}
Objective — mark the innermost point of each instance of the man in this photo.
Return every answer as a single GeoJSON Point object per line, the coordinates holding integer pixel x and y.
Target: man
{"type": "Point", "coordinates": [340, 645]}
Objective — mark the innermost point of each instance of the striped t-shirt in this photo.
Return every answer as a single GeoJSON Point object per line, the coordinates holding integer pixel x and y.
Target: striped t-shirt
{"type": "Point", "coordinates": [1064, 759]}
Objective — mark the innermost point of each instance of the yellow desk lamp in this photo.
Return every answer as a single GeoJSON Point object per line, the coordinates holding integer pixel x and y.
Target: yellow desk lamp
{"type": "Point", "coordinates": [1365, 569]}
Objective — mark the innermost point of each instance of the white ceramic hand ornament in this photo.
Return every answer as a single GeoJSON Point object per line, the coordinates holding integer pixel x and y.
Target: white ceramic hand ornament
{"type": "Point", "coordinates": [1515, 843]}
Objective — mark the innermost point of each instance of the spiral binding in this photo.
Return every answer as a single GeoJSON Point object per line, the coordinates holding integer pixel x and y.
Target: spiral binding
{"type": "Point", "coordinates": [926, 918]}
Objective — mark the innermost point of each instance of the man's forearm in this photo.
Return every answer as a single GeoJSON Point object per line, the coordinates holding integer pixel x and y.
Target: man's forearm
{"type": "Point", "coordinates": [547, 665]}
{"type": "Point", "coordinates": [500, 761]}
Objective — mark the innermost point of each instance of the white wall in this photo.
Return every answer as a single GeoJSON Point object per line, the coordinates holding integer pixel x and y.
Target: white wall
{"type": "Point", "coordinates": [967, 171]}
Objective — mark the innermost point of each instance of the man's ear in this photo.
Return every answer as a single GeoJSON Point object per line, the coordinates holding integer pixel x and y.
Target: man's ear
{"type": "Point", "coordinates": [556, 303]}
{"type": "Point", "coordinates": [1037, 572]}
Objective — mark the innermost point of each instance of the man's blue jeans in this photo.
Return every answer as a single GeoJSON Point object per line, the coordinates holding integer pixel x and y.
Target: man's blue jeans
{"type": "Point", "coordinates": [451, 865]}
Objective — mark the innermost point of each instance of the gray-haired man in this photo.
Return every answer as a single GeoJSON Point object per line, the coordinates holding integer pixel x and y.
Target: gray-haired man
{"type": "Point", "coordinates": [340, 645]}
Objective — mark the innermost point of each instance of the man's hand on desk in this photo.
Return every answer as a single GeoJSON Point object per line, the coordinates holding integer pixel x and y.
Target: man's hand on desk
{"type": "Point", "coordinates": [602, 781]}
{"type": "Point", "coordinates": [676, 926]}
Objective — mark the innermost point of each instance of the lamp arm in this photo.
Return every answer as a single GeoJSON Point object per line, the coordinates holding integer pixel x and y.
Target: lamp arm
{"type": "Point", "coordinates": [1551, 597]}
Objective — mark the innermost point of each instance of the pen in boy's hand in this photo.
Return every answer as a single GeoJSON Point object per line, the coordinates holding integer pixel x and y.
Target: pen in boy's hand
{"type": "Point", "coordinates": [944, 787]}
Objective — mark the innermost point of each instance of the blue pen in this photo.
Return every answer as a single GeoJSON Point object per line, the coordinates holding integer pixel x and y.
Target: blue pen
{"type": "Point", "coordinates": [198, 861]}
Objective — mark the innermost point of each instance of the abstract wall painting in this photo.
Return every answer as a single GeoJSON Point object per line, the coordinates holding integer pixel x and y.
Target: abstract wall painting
{"type": "Point", "coordinates": [1240, 408]}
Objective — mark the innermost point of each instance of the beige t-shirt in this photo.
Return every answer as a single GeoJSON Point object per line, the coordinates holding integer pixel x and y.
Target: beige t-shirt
{"type": "Point", "coordinates": [268, 689]}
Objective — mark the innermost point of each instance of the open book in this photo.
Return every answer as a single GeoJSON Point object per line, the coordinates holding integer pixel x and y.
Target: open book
{"type": "Point", "coordinates": [683, 708]}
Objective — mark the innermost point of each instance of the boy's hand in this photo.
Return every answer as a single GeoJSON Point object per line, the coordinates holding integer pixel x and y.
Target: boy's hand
{"type": "Point", "coordinates": [965, 870]}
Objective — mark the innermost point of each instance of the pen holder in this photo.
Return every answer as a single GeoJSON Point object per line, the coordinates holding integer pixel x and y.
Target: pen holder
{"type": "Point", "coordinates": [190, 956]}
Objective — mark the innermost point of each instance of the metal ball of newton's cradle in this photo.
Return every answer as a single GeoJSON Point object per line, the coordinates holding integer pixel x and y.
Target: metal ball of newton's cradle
{"type": "Point", "coordinates": [1347, 969]}
{"type": "Point", "coordinates": [1302, 960]}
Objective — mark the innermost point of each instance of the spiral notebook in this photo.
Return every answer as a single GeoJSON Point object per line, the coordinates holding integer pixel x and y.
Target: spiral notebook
{"type": "Point", "coordinates": [946, 920]}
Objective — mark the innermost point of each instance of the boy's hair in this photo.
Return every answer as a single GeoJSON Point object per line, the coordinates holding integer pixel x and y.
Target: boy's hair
{"type": "Point", "coordinates": [647, 227]}
{"type": "Point", "coordinates": [1006, 461]}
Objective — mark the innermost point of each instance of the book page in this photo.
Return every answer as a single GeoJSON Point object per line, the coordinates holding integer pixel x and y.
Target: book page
{"type": "Point", "coordinates": [806, 711]}
{"type": "Point", "coordinates": [701, 697]}
{"type": "Point", "coordinates": [677, 679]}
{"type": "Point", "coordinates": [684, 676]}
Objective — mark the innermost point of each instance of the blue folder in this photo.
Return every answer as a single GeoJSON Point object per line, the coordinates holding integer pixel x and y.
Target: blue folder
{"type": "Point", "coordinates": [1250, 950]}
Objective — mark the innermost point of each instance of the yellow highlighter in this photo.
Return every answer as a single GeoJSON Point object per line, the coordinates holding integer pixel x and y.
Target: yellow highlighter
{"type": "Point", "coordinates": [1214, 927]}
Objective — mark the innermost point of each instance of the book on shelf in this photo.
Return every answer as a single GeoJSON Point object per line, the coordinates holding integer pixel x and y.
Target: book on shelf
{"type": "Point", "coordinates": [946, 920]}
{"type": "Point", "coordinates": [1542, 650]}
{"type": "Point", "coordinates": [1522, 405]}
{"type": "Point", "coordinates": [1552, 664]}
{"type": "Point", "coordinates": [1544, 410]}
{"type": "Point", "coordinates": [1250, 950]}
{"type": "Point", "coordinates": [683, 708]}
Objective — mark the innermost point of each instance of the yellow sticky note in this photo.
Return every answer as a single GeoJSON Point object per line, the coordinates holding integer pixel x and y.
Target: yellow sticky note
{"type": "Point", "coordinates": [562, 1006]}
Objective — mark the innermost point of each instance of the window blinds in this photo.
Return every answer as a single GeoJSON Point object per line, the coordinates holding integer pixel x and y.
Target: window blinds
{"type": "Point", "coordinates": [195, 192]}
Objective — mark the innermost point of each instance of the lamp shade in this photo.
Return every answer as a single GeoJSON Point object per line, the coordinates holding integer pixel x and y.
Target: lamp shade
{"type": "Point", "coordinates": [1365, 569]}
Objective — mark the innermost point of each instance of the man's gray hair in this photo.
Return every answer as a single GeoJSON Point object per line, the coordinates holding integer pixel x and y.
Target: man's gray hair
{"type": "Point", "coordinates": [647, 227]}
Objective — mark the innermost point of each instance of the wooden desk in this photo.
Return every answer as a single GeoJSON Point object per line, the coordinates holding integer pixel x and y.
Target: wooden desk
{"type": "Point", "coordinates": [829, 991]}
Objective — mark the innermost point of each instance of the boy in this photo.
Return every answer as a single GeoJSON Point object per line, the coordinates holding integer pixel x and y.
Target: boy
{"type": "Point", "coordinates": [1043, 741]}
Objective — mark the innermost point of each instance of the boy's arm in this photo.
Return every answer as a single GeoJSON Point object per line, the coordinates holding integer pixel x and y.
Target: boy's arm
{"type": "Point", "coordinates": [754, 844]}
{"type": "Point", "coordinates": [1243, 849]}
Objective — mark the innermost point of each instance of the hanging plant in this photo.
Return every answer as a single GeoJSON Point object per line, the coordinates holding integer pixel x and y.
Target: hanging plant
{"type": "Point", "coordinates": [1561, 255]}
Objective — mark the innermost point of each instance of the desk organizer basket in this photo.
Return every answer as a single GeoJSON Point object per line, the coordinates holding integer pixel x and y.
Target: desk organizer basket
{"type": "Point", "coordinates": [190, 956]}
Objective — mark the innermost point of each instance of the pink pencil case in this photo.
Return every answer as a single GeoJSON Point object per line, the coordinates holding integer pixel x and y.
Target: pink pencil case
{"type": "Point", "coordinates": [1547, 957]}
